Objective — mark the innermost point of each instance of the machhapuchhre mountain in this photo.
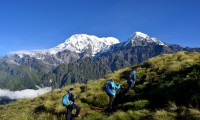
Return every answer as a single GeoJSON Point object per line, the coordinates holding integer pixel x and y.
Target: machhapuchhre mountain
{"type": "Point", "coordinates": [80, 58]}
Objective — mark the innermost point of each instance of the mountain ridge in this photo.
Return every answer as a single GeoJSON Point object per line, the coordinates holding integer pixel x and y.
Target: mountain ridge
{"type": "Point", "coordinates": [68, 67]}
{"type": "Point", "coordinates": [75, 43]}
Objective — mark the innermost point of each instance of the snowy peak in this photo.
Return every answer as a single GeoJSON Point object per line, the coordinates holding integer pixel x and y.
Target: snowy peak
{"type": "Point", "coordinates": [140, 34]}
{"type": "Point", "coordinates": [142, 39]}
{"type": "Point", "coordinates": [90, 45]}
{"type": "Point", "coordinates": [80, 43]}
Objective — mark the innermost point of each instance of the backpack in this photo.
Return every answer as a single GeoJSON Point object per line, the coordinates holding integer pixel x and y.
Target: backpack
{"type": "Point", "coordinates": [133, 76]}
{"type": "Point", "coordinates": [108, 86]}
{"type": "Point", "coordinates": [67, 98]}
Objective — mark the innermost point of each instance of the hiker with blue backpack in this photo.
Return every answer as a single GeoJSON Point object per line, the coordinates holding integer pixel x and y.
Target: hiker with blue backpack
{"type": "Point", "coordinates": [68, 101]}
{"type": "Point", "coordinates": [110, 89]}
{"type": "Point", "coordinates": [131, 80]}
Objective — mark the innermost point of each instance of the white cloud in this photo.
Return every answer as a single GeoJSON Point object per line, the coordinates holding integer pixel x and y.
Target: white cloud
{"type": "Point", "coordinates": [27, 93]}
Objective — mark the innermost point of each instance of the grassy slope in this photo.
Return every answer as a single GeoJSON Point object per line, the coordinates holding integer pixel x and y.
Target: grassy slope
{"type": "Point", "coordinates": [168, 87]}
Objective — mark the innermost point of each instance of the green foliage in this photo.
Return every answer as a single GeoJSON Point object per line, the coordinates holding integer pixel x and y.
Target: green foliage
{"type": "Point", "coordinates": [131, 115]}
{"type": "Point", "coordinates": [139, 114]}
{"type": "Point", "coordinates": [119, 116]}
{"type": "Point", "coordinates": [164, 115]}
{"type": "Point", "coordinates": [96, 99]}
{"type": "Point", "coordinates": [93, 116]}
{"type": "Point", "coordinates": [194, 114]}
{"type": "Point", "coordinates": [140, 104]}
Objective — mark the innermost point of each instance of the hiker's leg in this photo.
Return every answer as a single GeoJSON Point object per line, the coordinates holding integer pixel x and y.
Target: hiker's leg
{"type": "Point", "coordinates": [69, 112]}
{"type": "Point", "coordinates": [132, 85]}
{"type": "Point", "coordinates": [111, 101]}
{"type": "Point", "coordinates": [129, 86]}
{"type": "Point", "coordinates": [78, 108]}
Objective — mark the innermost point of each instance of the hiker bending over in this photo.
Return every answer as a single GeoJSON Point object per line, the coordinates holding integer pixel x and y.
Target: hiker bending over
{"type": "Point", "coordinates": [110, 89]}
{"type": "Point", "coordinates": [68, 101]}
{"type": "Point", "coordinates": [131, 80]}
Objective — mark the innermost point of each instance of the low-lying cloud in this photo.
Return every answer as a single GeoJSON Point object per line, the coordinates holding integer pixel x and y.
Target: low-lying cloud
{"type": "Point", "coordinates": [27, 93]}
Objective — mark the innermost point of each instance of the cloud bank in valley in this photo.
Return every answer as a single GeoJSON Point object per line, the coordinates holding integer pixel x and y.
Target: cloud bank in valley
{"type": "Point", "coordinates": [27, 93]}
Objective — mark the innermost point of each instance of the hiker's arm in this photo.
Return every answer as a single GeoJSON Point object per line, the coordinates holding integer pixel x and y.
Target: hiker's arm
{"type": "Point", "coordinates": [117, 86]}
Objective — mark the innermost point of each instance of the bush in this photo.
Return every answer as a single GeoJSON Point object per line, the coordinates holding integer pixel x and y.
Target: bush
{"type": "Point", "coordinates": [172, 106]}
{"type": "Point", "coordinates": [164, 115]}
{"type": "Point", "coordinates": [100, 100]}
{"type": "Point", "coordinates": [49, 105]}
{"type": "Point", "coordinates": [60, 109]}
{"type": "Point", "coordinates": [139, 114]}
{"type": "Point", "coordinates": [93, 116]}
{"type": "Point", "coordinates": [131, 115]}
{"type": "Point", "coordinates": [140, 104]}
{"type": "Point", "coordinates": [193, 114]}
{"type": "Point", "coordinates": [130, 94]}
{"type": "Point", "coordinates": [119, 116]}
{"type": "Point", "coordinates": [195, 100]}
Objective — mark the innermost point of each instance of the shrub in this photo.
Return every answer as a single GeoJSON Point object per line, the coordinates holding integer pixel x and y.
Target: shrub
{"type": "Point", "coordinates": [119, 116]}
{"type": "Point", "coordinates": [60, 109]}
{"type": "Point", "coordinates": [139, 114]}
{"type": "Point", "coordinates": [46, 116]}
{"type": "Point", "coordinates": [172, 106]}
{"type": "Point", "coordinates": [164, 115]}
{"type": "Point", "coordinates": [194, 114]}
{"type": "Point", "coordinates": [100, 100]}
{"type": "Point", "coordinates": [49, 105]}
{"type": "Point", "coordinates": [93, 116]}
{"type": "Point", "coordinates": [83, 88]}
{"type": "Point", "coordinates": [140, 104]}
{"type": "Point", "coordinates": [195, 100]}
{"type": "Point", "coordinates": [130, 94]}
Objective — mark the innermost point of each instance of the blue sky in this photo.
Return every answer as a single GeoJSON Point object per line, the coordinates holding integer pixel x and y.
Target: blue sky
{"type": "Point", "coordinates": [42, 24]}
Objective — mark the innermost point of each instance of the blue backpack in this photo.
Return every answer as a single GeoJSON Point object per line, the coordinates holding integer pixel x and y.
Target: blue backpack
{"type": "Point", "coordinates": [67, 99]}
{"type": "Point", "coordinates": [133, 76]}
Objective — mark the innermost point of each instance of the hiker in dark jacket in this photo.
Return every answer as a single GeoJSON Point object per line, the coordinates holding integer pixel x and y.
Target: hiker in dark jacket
{"type": "Point", "coordinates": [131, 80]}
{"type": "Point", "coordinates": [68, 101]}
{"type": "Point", "coordinates": [110, 89]}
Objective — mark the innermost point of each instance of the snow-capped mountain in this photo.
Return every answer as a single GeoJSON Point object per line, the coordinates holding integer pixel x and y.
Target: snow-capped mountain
{"type": "Point", "coordinates": [141, 39]}
{"type": "Point", "coordinates": [78, 43]}
{"type": "Point", "coordinates": [137, 39]}
{"type": "Point", "coordinates": [91, 45]}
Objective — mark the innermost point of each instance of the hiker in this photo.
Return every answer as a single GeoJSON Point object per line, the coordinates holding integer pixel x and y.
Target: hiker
{"type": "Point", "coordinates": [68, 101]}
{"type": "Point", "coordinates": [110, 89]}
{"type": "Point", "coordinates": [131, 80]}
